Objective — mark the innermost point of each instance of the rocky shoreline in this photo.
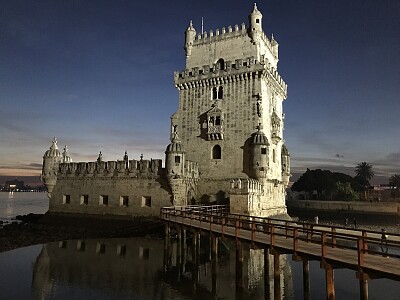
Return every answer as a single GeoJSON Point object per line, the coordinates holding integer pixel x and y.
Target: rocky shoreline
{"type": "Point", "coordinates": [35, 229]}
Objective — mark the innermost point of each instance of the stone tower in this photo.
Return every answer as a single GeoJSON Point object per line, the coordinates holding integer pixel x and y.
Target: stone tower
{"type": "Point", "coordinates": [51, 161]}
{"type": "Point", "coordinates": [230, 114]}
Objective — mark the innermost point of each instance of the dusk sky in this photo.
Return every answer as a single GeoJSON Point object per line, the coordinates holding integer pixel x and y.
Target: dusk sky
{"type": "Point", "coordinates": [98, 75]}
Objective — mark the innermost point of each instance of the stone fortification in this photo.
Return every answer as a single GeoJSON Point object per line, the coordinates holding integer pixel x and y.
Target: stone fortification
{"type": "Point", "coordinates": [230, 121]}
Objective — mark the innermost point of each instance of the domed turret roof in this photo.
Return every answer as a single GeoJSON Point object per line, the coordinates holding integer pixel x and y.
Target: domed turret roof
{"type": "Point", "coordinates": [175, 145]}
{"type": "Point", "coordinates": [255, 10]}
{"type": "Point", "coordinates": [259, 138]}
{"type": "Point", "coordinates": [53, 151]}
{"type": "Point", "coordinates": [285, 150]}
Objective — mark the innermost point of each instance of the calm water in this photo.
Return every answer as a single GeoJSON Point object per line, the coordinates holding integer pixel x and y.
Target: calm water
{"type": "Point", "coordinates": [20, 203]}
{"type": "Point", "coordinates": [134, 269]}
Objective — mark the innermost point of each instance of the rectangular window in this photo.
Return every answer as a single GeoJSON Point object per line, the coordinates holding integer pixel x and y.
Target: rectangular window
{"type": "Point", "coordinates": [146, 201]}
{"type": "Point", "coordinates": [101, 248]}
{"type": "Point", "coordinates": [177, 159]}
{"type": "Point", "coordinates": [263, 150]}
{"type": "Point", "coordinates": [121, 250]}
{"type": "Point", "coordinates": [144, 253]}
{"type": "Point", "coordinates": [84, 199]}
{"type": "Point", "coordinates": [104, 200]}
{"type": "Point", "coordinates": [124, 201]}
{"type": "Point", "coordinates": [80, 245]}
{"type": "Point", "coordinates": [66, 199]}
{"type": "Point", "coordinates": [62, 244]}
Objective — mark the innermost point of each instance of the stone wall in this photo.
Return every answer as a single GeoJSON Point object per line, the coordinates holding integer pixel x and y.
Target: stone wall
{"type": "Point", "coordinates": [117, 196]}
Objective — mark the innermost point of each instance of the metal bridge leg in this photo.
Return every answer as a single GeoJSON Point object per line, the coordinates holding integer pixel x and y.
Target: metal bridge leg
{"type": "Point", "coordinates": [267, 285]}
{"type": "Point", "coordinates": [214, 260]}
{"type": "Point", "coordinates": [363, 286]}
{"type": "Point", "coordinates": [239, 264]}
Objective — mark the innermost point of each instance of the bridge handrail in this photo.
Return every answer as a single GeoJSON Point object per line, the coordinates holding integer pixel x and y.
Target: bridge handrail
{"type": "Point", "coordinates": [303, 231]}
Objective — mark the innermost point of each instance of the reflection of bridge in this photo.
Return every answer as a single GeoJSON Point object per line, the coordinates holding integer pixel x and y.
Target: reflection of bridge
{"type": "Point", "coordinates": [336, 247]}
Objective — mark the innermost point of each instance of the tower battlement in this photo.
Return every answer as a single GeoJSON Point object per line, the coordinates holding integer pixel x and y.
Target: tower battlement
{"type": "Point", "coordinates": [229, 71]}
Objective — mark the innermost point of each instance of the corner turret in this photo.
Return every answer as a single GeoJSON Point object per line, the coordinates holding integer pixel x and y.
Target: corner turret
{"type": "Point", "coordinates": [255, 20]}
{"type": "Point", "coordinates": [190, 35]}
{"type": "Point", "coordinates": [175, 157]}
{"type": "Point", "coordinates": [285, 156]}
{"type": "Point", "coordinates": [259, 155]}
{"type": "Point", "coordinates": [51, 162]}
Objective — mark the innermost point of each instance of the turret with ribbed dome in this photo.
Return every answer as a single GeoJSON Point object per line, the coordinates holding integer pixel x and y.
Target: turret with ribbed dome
{"type": "Point", "coordinates": [259, 154]}
{"type": "Point", "coordinates": [51, 161]}
{"type": "Point", "coordinates": [255, 20]}
{"type": "Point", "coordinates": [190, 35]}
{"type": "Point", "coordinates": [285, 160]}
{"type": "Point", "coordinates": [175, 157]}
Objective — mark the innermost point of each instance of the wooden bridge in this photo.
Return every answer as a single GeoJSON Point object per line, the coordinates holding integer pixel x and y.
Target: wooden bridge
{"type": "Point", "coordinates": [335, 247]}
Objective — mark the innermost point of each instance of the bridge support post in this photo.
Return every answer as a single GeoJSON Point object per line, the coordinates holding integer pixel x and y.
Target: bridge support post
{"type": "Point", "coordinates": [267, 285]}
{"type": "Point", "coordinates": [214, 261]}
{"type": "Point", "coordinates": [277, 276]}
{"type": "Point", "coordinates": [306, 279]}
{"type": "Point", "coordinates": [167, 233]}
{"type": "Point", "coordinates": [179, 251]}
{"type": "Point", "coordinates": [239, 264]}
{"type": "Point", "coordinates": [363, 279]}
{"type": "Point", "coordinates": [184, 249]}
{"type": "Point", "coordinates": [330, 282]}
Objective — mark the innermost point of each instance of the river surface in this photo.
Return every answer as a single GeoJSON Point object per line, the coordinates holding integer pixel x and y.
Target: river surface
{"type": "Point", "coordinates": [136, 268]}
{"type": "Point", "coordinates": [22, 203]}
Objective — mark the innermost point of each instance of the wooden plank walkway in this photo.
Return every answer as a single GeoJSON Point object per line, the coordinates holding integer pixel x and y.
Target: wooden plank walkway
{"type": "Point", "coordinates": [359, 250]}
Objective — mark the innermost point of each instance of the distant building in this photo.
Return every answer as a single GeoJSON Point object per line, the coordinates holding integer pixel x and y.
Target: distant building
{"type": "Point", "coordinates": [226, 138]}
{"type": "Point", "coordinates": [14, 185]}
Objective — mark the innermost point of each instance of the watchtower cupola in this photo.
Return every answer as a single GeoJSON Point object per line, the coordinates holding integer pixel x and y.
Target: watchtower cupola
{"type": "Point", "coordinates": [175, 157]}
{"type": "Point", "coordinates": [255, 20]}
{"type": "Point", "coordinates": [259, 154]}
{"type": "Point", "coordinates": [190, 35]}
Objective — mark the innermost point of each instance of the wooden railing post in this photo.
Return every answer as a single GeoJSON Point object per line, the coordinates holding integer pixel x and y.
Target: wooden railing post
{"type": "Point", "coordinates": [211, 222]}
{"type": "Point", "coordinates": [237, 228]}
{"type": "Point", "coordinates": [308, 232]}
{"type": "Point", "coordinates": [223, 225]}
{"type": "Point", "coordinates": [323, 244]}
{"type": "Point", "coordinates": [360, 252]}
{"type": "Point", "coordinates": [272, 228]}
{"type": "Point", "coordinates": [333, 237]}
{"type": "Point", "coordinates": [295, 239]}
{"type": "Point", "coordinates": [286, 225]}
{"type": "Point", "coordinates": [365, 244]}
{"type": "Point", "coordinates": [253, 227]}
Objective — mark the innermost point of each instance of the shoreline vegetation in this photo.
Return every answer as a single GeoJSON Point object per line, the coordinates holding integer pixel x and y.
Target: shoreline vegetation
{"type": "Point", "coordinates": [33, 229]}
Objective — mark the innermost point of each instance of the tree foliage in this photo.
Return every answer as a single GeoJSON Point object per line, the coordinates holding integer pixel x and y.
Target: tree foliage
{"type": "Point", "coordinates": [394, 182]}
{"type": "Point", "coordinates": [364, 172]}
{"type": "Point", "coordinates": [324, 182]}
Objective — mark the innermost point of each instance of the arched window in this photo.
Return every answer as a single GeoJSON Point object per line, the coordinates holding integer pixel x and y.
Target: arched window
{"type": "Point", "coordinates": [273, 155]}
{"type": "Point", "coordinates": [216, 152]}
{"type": "Point", "coordinates": [220, 92]}
{"type": "Point", "coordinates": [221, 64]}
{"type": "Point", "coordinates": [214, 93]}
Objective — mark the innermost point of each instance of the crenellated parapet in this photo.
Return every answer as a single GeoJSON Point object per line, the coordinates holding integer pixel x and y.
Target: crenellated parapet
{"type": "Point", "coordinates": [232, 71]}
{"type": "Point", "coordinates": [128, 169]}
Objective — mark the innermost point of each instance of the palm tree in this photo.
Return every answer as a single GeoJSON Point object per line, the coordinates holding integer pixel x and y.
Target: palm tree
{"type": "Point", "coordinates": [365, 173]}
{"type": "Point", "coordinates": [394, 182]}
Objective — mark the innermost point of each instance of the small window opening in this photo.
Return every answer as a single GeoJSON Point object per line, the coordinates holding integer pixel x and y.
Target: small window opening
{"type": "Point", "coordinates": [121, 250]}
{"type": "Point", "coordinates": [177, 159]}
{"type": "Point", "coordinates": [200, 71]}
{"type": "Point", "coordinates": [84, 199]}
{"type": "Point", "coordinates": [66, 199]}
{"type": "Point", "coordinates": [273, 155]}
{"type": "Point", "coordinates": [144, 253]}
{"type": "Point", "coordinates": [217, 120]}
{"type": "Point", "coordinates": [220, 92]}
{"type": "Point", "coordinates": [80, 245]}
{"type": "Point", "coordinates": [101, 248]}
{"type": "Point", "coordinates": [245, 64]}
{"type": "Point", "coordinates": [216, 152]}
{"type": "Point", "coordinates": [221, 64]}
{"type": "Point", "coordinates": [257, 21]}
{"type": "Point", "coordinates": [146, 201]}
{"type": "Point", "coordinates": [62, 244]}
{"type": "Point", "coordinates": [124, 201]}
{"type": "Point", "coordinates": [104, 200]}
{"type": "Point", "coordinates": [214, 93]}
{"type": "Point", "coordinates": [263, 150]}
